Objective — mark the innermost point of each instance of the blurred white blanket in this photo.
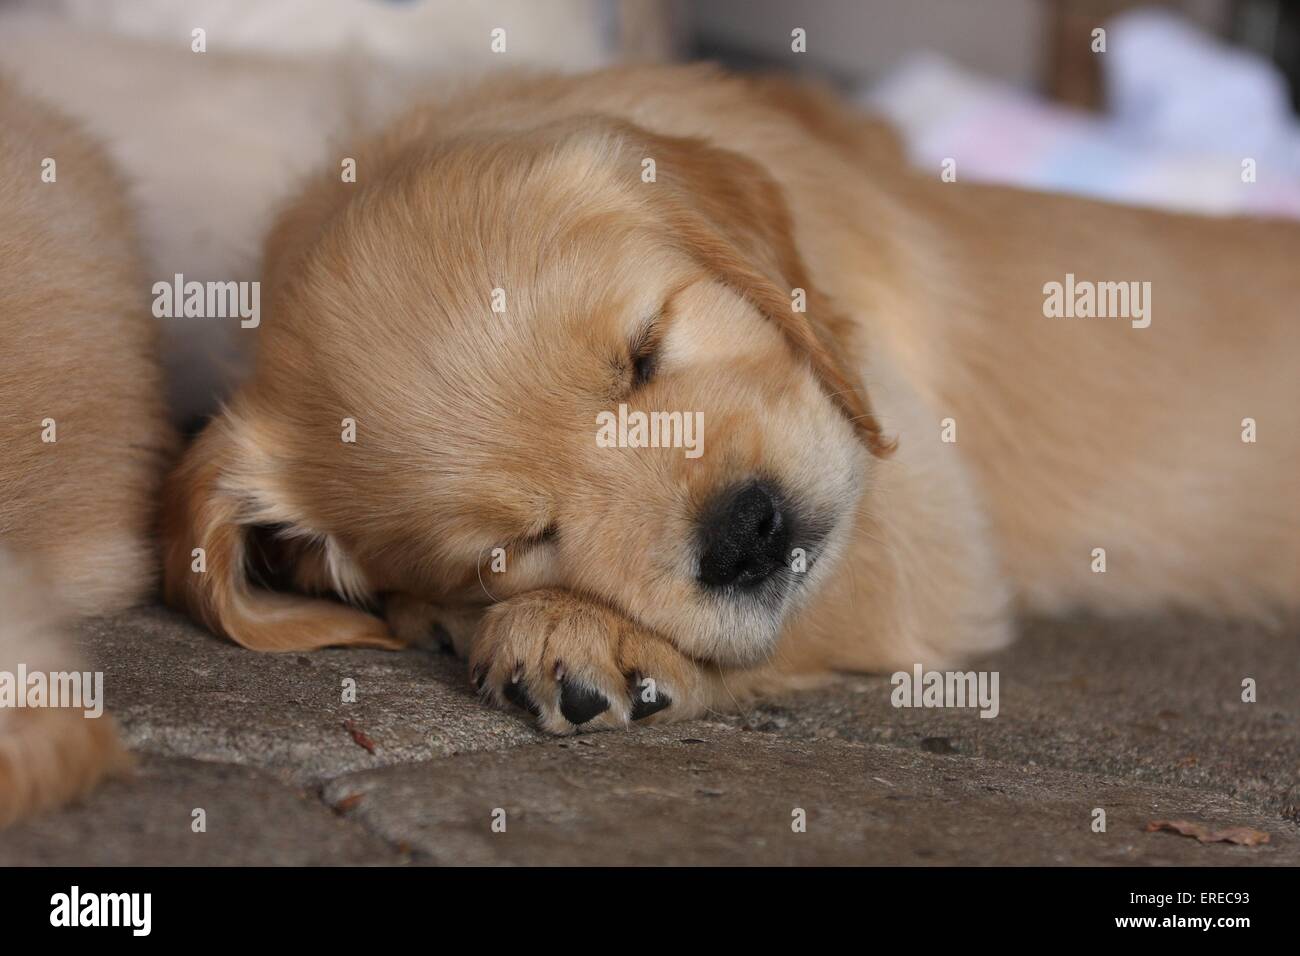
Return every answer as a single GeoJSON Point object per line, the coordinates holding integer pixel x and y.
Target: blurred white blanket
{"type": "Point", "coordinates": [1191, 124]}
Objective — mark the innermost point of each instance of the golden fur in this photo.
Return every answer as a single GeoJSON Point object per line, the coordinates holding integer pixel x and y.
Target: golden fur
{"type": "Point", "coordinates": [76, 517]}
{"type": "Point", "coordinates": [475, 429]}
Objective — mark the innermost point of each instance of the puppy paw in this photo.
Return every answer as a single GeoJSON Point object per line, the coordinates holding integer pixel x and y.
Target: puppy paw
{"type": "Point", "coordinates": [577, 665]}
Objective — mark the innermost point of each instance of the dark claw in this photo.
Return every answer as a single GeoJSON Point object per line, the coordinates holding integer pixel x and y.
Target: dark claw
{"type": "Point", "coordinates": [579, 704]}
{"type": "Point", "coordinates": [642, 708]}
{"type": "Point", "coordinates": [516, 694]}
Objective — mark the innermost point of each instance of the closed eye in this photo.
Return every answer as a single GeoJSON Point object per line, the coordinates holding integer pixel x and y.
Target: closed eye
{"type": "Point", "coordinates": [645, 353]}
{"type": "Point", "coordinates": [643, 368]}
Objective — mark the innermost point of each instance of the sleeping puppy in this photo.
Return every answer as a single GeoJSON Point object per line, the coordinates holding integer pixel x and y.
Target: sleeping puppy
{"type": "Point", "coordinates": [84, 439]}
{"type": "Point", "coordinates": [884, 445]}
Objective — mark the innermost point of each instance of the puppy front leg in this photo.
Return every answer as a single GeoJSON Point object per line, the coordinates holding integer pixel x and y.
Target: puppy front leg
{"type": "Point", "coordinates": [579, 665]}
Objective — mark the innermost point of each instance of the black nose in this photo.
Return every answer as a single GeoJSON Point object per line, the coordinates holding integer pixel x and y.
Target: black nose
{"type": "Point", "coordinates": [745, 534]}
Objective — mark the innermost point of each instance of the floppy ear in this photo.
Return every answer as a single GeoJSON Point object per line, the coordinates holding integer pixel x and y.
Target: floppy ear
{"type": "Point", "coordinates": [732, 217]}
{"type": "Point", "coordinates": [215, 500]}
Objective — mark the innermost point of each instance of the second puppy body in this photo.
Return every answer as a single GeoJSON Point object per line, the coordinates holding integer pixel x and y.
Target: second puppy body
{"type": "Point", "coordinates": [84, 438]}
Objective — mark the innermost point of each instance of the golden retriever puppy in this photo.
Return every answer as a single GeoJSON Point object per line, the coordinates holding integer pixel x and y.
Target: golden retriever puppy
{"type": "Point", "coordinates": [83, 437]}
{"type": "Point", "coordinates": [654, 389]}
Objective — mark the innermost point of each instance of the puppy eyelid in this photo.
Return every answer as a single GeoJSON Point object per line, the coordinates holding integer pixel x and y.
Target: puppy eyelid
{"type": "Point", "coordinates": [645, 351]}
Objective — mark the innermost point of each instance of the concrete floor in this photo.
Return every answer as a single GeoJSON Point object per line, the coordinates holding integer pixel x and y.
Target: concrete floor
{"type": "Point", "coordinates": [1143, 719]}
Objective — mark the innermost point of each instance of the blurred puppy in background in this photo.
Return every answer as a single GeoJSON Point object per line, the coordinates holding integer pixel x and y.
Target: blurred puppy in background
{"type": "Point", "coordinates": [84, 437]}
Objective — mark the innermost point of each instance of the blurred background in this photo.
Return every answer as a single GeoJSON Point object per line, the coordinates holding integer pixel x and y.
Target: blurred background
{"type": "Point", "coordinates": [1185, 104]}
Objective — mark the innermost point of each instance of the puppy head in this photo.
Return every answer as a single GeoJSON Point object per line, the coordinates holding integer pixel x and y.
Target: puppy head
{"type": "Point", "coordinates": [456, 388]}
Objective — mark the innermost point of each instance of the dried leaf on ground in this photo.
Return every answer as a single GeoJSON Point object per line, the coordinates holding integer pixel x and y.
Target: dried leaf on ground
{"type": "Point", "coordinates": [350, 802]}
{"type": "Point", "coordinates": [1242, 836]}
{"type": "Point", "coordinates": [359, 736]}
